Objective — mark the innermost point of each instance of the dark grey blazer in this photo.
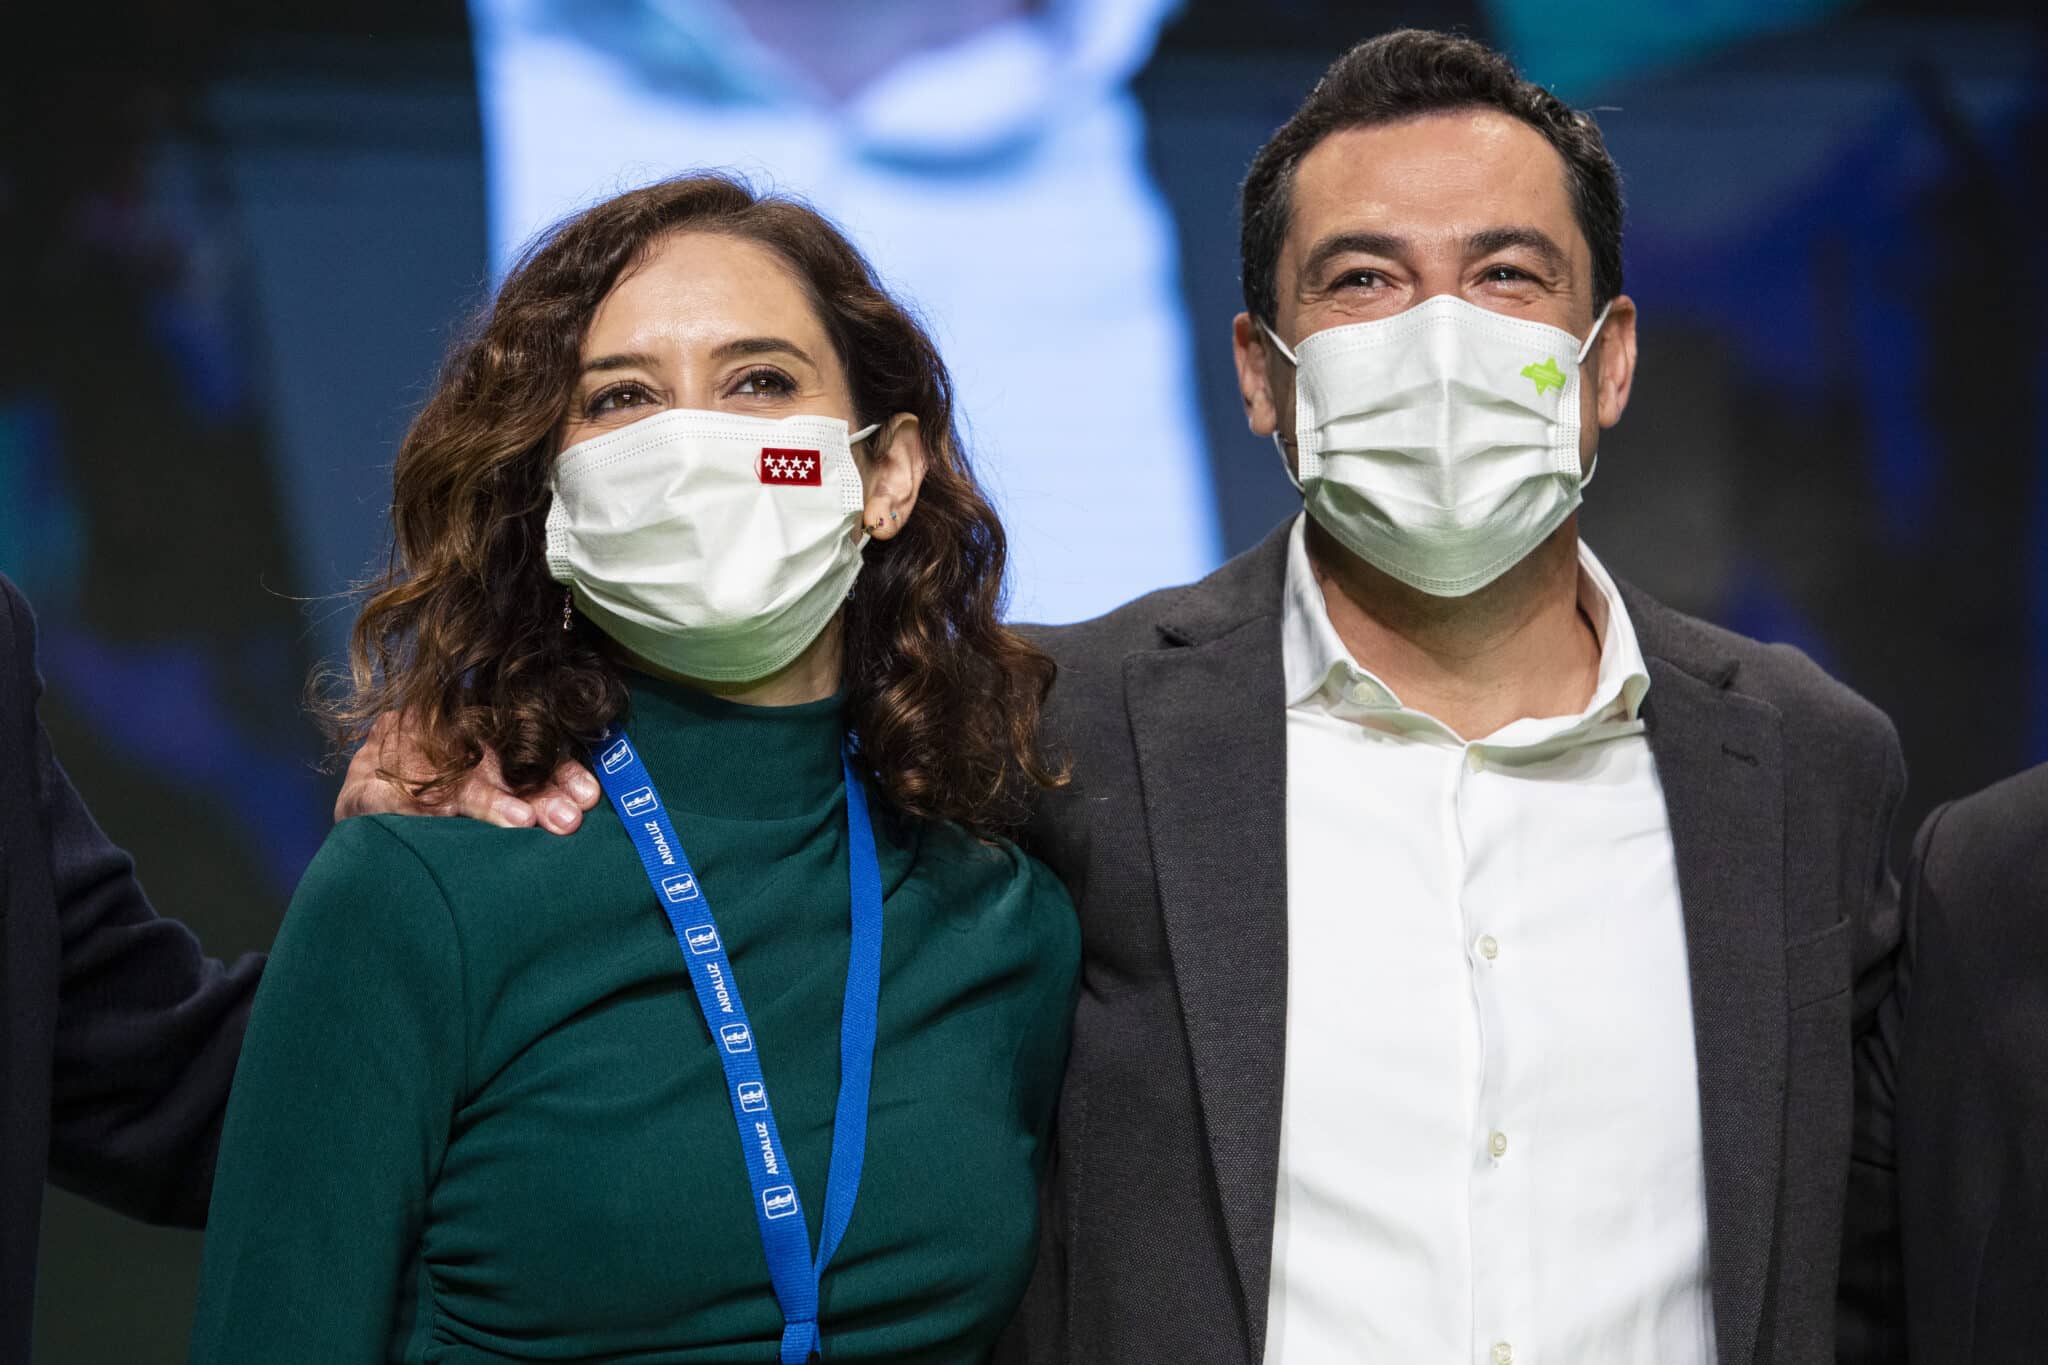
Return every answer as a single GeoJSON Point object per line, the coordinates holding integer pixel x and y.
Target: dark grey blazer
{"type": "Point", "coordinates": [1157, 1238]}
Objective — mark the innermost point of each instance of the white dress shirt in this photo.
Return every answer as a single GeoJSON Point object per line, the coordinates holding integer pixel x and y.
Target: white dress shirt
{"type": "Point", "coordinates": [1490, 1133]}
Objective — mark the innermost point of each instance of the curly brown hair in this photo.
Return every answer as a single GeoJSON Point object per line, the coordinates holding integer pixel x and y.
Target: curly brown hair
{"type": "Point", "coordinates": [462, 632]}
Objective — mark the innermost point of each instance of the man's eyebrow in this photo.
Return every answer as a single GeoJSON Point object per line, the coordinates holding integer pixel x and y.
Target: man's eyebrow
{"type": "Point", "coordinates": [762, 346]}
{"type": "Point", "coordinates": [1347, 243]}
{"type": "Point", "coordinates": [1527, 239]}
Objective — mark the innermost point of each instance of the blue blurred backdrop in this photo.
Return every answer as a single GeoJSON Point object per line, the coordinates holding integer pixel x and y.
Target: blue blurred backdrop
{"type": "Point", "coordinates": [235, 239]}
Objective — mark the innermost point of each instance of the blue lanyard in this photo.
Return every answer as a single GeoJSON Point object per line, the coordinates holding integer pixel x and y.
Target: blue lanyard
{"type": "Point", "coordinates": [777, 1211]}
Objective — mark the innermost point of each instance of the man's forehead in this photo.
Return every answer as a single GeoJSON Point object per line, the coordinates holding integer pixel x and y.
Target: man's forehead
{"type": "Point", "coordinates": [1453, 174]}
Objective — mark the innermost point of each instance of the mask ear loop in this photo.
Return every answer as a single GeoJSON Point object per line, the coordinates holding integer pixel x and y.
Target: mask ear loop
{"type": "Point", "coordinates": [1280, 446]}
{"type": "Point", "coordinates": [1591, 336]}
{"type": "Point", "coordinates": [1586, 479]}
{"type": "Point", "coordinates": [865, 534]}
{"type": "Point", "coordinates": [1284, 349]}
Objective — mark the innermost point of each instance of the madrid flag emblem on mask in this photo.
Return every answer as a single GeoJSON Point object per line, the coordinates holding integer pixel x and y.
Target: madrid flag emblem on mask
{"type": "Point", "coordinates": [799, 468]}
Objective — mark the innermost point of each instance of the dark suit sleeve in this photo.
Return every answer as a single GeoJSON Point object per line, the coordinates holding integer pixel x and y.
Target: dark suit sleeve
{"type": "Point", "coordinates": [1870, 1323]}
{"type": "Point", "coordinates": [148, 1026]}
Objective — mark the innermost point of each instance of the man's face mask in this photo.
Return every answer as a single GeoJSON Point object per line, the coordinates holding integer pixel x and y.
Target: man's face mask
{"type": "Point", "coordinates": [1440, 445]}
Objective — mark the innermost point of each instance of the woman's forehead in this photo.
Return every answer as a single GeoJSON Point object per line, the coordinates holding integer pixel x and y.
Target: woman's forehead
{"type": "Point", "coordinates": [700, 288]}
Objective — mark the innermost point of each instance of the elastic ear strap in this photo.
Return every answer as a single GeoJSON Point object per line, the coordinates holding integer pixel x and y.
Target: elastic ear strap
{"type": "Point", "coordinates": [1591, 336]}
{"type": "Point", "coordinates": [1280, 447]}
{"type": "Point", "coordinates": [1278, 444]}
{"type": "Point", "coordinates": [1284, 350]}
{"type": "Point", "coordinates": [865, 432]}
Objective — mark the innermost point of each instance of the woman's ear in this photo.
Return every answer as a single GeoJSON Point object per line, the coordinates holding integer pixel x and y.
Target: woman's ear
{"type": "Point", "coordinates": [893, 473]}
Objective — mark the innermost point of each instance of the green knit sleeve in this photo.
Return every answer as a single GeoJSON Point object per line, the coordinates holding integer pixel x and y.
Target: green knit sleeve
{"type": "Point", "coordinates": [353, 1067]}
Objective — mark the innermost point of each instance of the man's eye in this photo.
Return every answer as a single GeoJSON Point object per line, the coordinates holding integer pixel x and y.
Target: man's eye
{"type": "Point", "coordinates": [1507, 274]}
{"type": "Point", "coordinates": [766, 383]}
{"type": "Point", "coordinates": [1358, 279]}
{"type": "Point", "coordinates": [617, 398]}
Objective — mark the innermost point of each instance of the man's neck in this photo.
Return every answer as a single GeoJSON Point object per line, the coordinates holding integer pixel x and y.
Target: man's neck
{"type": "Point", "coordinates": [1519, 647]}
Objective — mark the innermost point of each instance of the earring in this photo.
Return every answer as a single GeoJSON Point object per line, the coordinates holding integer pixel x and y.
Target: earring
{"type": "Point", "coordinates": [568, 621]}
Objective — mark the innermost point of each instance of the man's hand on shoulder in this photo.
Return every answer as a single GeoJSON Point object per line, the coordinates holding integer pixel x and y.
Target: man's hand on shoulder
{"type": "Point", "coordinates": [372, 787]}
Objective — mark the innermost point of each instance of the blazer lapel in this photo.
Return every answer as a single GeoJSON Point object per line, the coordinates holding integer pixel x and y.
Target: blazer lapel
{"type": "Point", "coordinates": [1719, 758]}
{"type": "Point", "coordinates": [1208, 720]}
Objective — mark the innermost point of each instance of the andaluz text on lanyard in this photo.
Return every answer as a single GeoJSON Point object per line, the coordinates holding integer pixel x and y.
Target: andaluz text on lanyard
{"type": "Point", "coordinates": [777, 1211]}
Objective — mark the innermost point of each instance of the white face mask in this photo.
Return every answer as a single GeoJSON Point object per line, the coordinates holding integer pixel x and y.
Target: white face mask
{"type": "Point", "coordinates": [1440, 445]}
{"type": "Point", "coordinates": [715, 545]}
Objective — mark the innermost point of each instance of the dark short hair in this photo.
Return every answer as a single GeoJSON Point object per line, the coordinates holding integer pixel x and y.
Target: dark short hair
{"type": "Point", "coordinates": [1402, 75]}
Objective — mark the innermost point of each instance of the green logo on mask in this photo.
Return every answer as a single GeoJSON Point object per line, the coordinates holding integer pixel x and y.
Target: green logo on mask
{"type": "Point", "coordinates": [1545, 376]}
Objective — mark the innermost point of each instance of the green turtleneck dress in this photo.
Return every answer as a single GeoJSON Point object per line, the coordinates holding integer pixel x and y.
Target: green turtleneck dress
{"type": "Point", "coordinates": [479, 1116]}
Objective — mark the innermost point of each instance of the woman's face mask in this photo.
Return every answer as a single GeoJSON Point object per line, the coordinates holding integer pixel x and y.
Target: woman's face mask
{"type": "Point", "coordinates": [713, 544]}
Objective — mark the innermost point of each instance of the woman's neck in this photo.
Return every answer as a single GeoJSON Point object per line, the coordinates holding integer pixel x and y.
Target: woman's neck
{"type": "Point", "coordinates": [812, 676]}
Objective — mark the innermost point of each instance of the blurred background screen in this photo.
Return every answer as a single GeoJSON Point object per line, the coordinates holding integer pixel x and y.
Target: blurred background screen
{"type": "Point", "coordinates": [235, 240]}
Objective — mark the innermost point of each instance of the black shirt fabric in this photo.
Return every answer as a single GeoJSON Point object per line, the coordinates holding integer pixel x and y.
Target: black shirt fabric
{"type": "Point", "coordinates": [118, 1036]}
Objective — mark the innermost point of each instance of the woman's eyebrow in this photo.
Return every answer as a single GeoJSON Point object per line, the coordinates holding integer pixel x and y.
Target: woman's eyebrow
{"type": "Point", "coordinates": [624, 360]}
{"type": "Point", "coordinates": [761, 346]}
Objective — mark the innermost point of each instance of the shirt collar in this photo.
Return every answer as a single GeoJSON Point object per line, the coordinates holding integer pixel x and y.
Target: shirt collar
{"type": "Point", "coordinates": [1317, 665]}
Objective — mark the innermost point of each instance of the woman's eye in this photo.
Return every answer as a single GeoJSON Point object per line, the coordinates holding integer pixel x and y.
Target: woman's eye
{"type": "Point", "coordinates": [766, 383]}
{"type": "Point", "coordinates": [617, 398]}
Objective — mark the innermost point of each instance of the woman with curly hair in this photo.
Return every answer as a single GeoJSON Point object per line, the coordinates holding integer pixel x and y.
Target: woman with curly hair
{"type": "Point", "coordinates": [757, 1065]}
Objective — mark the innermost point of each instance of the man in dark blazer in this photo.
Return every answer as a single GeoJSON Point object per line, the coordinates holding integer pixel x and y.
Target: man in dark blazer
{"type": "Point", "coordinates": [1182, 840]}
{"type": "Point", "coordinates": [1964, 1111]}
{"type": "Point", "coordinates": [1781, 787]}
{"type": "Point", "coordinates": [118, 1036]}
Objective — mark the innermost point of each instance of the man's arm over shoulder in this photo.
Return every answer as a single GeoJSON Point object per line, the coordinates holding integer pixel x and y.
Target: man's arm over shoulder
{"type": "Point", "coordinates": [148, 1027]}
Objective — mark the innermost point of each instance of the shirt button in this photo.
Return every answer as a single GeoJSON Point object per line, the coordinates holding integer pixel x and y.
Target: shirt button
{"type": "Point", "coordinates": [1361, 692]}
{"type": "Point", "coordinates": [1498, 1144]}
{"type": "Point", "coordinates": [1474, 760]}
{"type": "Point", "coordinates": [1503, 1354]}
{"type": "Point", "coordinates": [1489, 947]}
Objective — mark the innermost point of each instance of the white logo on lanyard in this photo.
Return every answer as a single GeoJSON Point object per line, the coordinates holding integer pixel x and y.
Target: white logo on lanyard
{"type": "Point", "coordinates": [682, 887]}
{"type": "Point", "coordinates": [737, 1038]}
{"type": "Point", "coordinates": [753, 1098]}
{"type": "Point", "coordinates": [702, 939]}
{"type": "Point", "coordinates": [779, 1201]}
{"type": "Point", "coordinates": [640, 800]}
